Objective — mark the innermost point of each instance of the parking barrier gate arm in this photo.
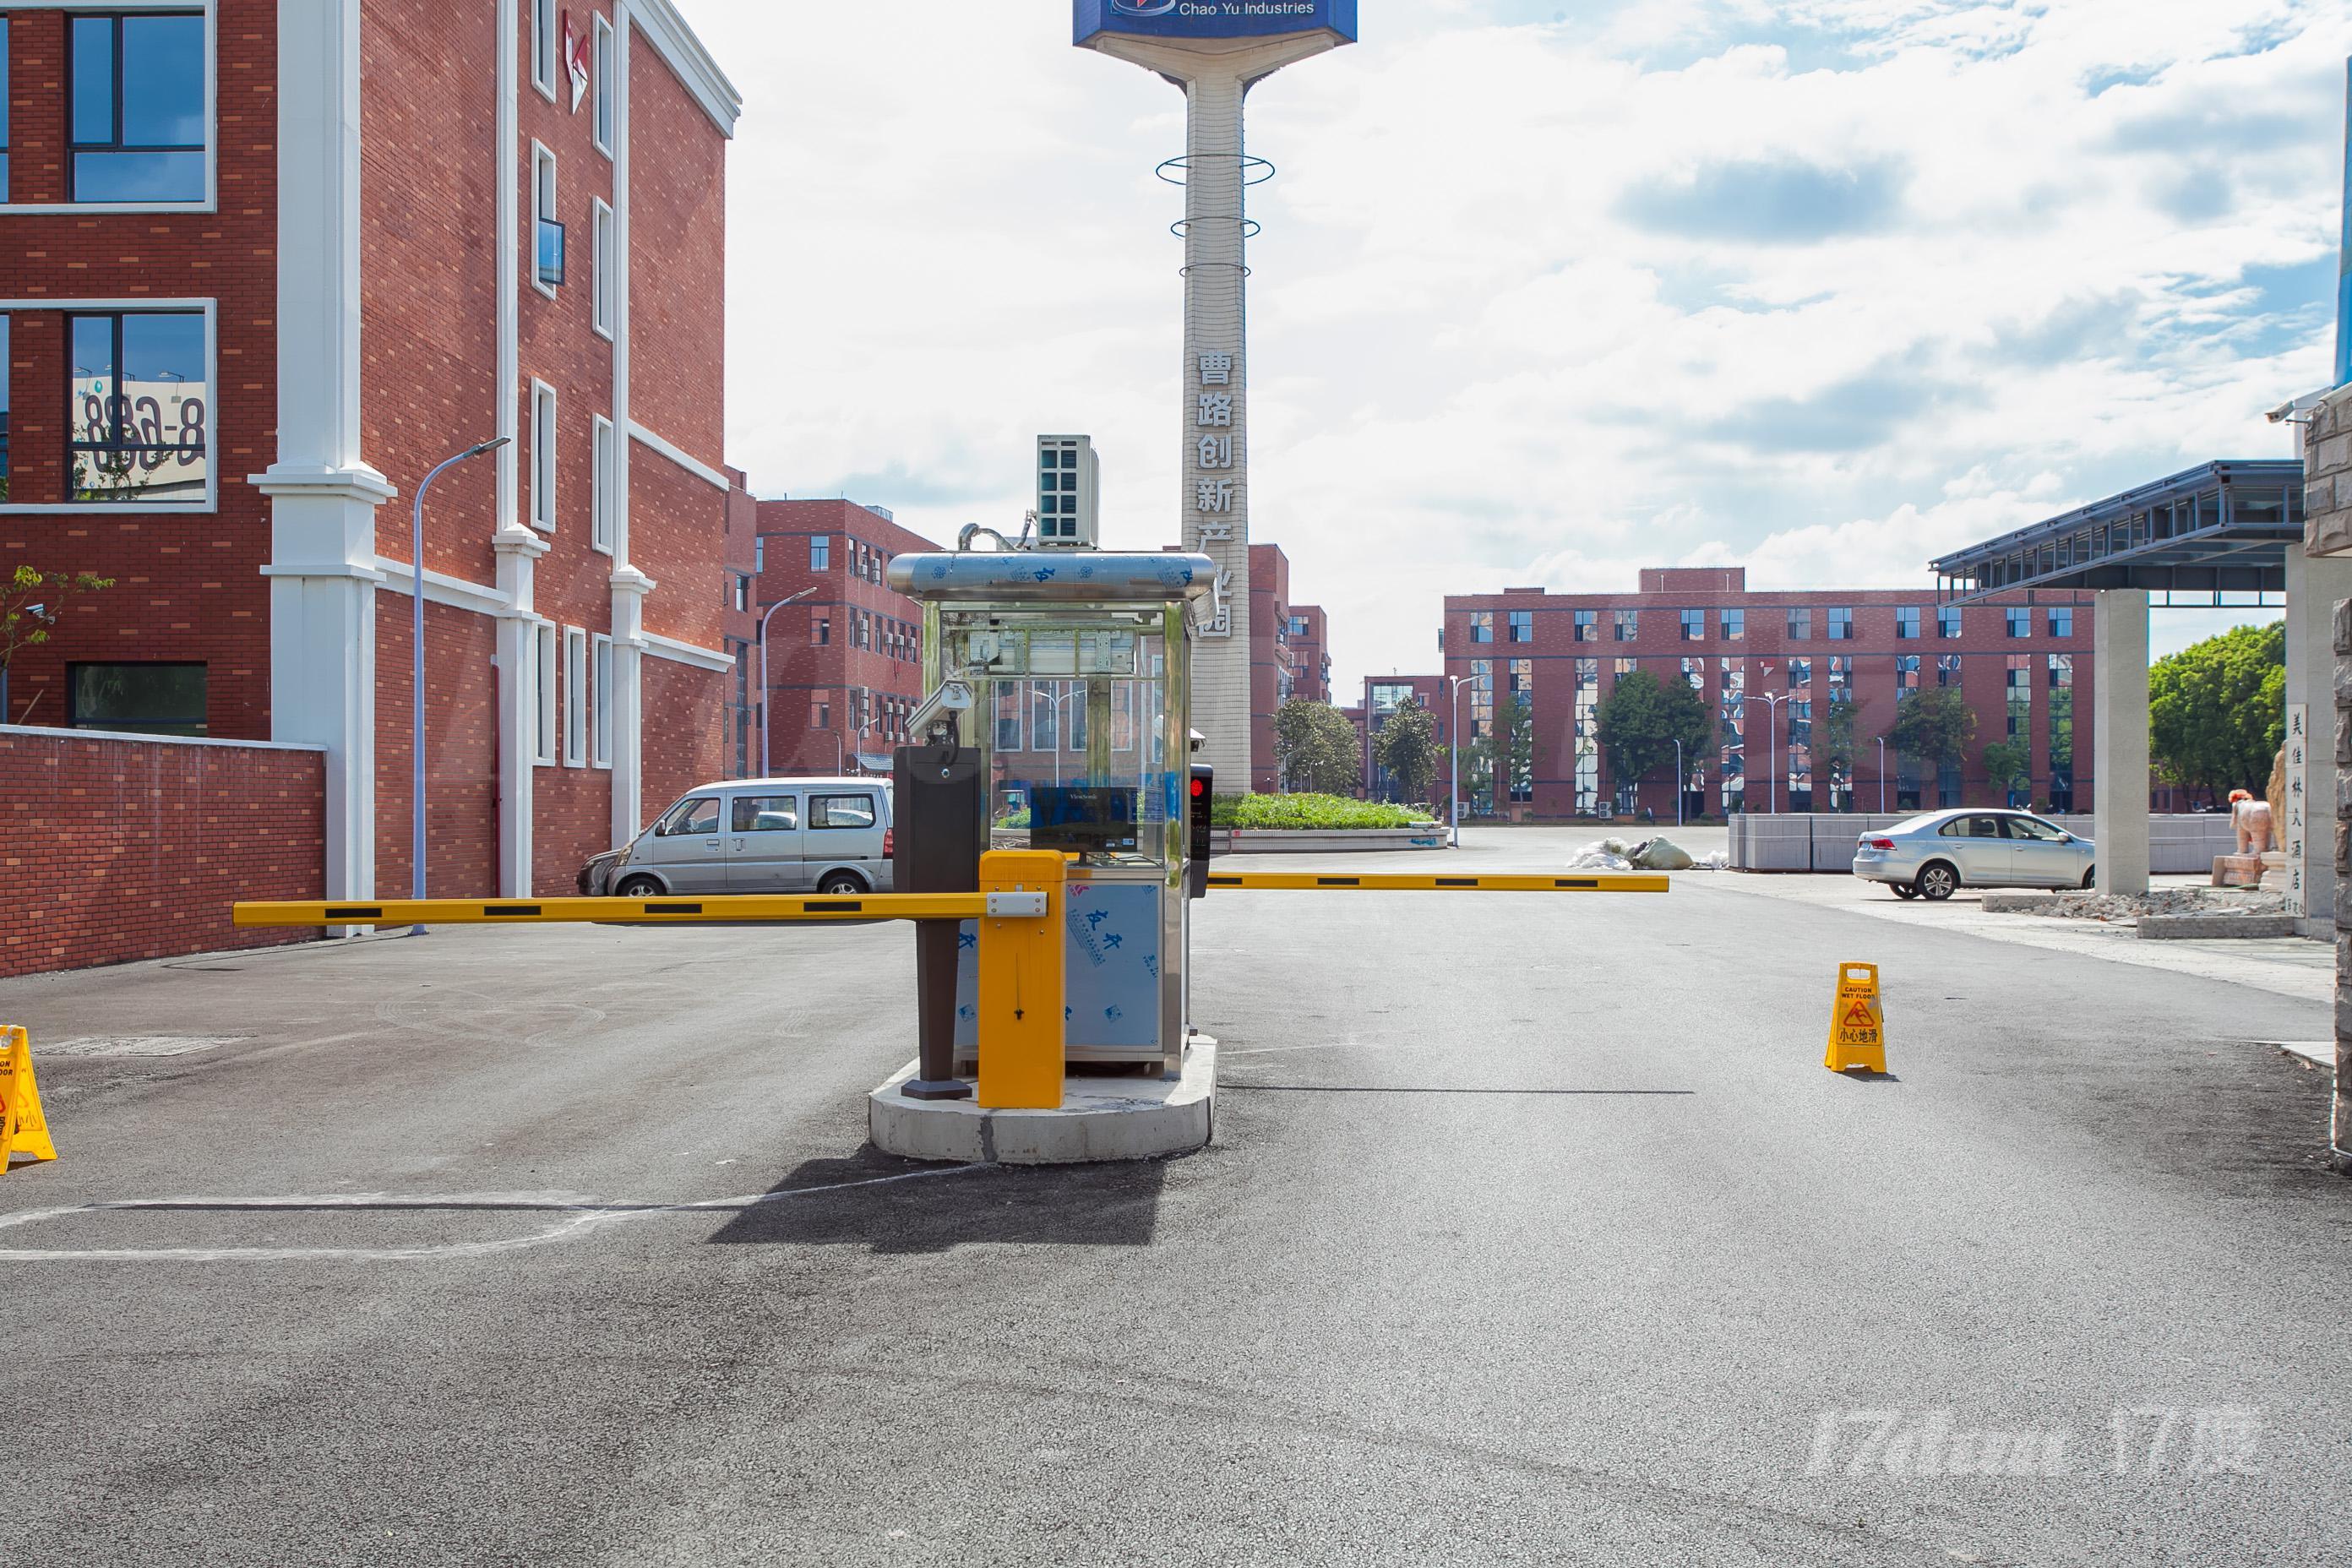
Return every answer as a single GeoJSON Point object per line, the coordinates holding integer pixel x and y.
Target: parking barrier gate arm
{"type": "Point", "coordinates": [1422, 881]}
{"type": "Point", "coordinates": [734, 907]}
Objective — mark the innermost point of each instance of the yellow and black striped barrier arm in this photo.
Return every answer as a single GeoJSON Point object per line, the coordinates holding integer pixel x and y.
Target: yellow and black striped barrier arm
{"type": "Point", "coordinates": [1422, 881]}
{"type": "Point", "coordinates": [734, 907]}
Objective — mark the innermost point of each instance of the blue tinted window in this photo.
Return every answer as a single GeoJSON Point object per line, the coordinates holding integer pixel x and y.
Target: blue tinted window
{"type": "Point", "coordinates": [136, 429]}
{"type": "Point", "coordinates": [137, 112]}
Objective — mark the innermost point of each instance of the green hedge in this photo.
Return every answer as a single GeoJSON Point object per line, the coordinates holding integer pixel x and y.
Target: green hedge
{"type": "Point", "coordinates": [1305, 811]}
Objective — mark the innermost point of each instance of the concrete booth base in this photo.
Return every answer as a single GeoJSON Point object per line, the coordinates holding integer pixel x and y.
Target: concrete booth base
{"type": "Point", "coordinates": [1102, 1117]}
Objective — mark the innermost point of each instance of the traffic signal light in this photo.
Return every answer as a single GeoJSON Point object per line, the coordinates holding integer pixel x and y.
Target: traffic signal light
{"type": "Point", "coordinates": [1196, 873]}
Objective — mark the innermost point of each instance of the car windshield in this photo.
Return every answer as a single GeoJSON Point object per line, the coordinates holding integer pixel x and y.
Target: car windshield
{"type": "Point", "coordinates": [1919, 824]}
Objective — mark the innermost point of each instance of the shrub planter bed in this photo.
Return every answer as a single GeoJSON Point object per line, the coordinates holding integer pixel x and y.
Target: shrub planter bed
{"type": "Point", "coordinates": [1326, 840]}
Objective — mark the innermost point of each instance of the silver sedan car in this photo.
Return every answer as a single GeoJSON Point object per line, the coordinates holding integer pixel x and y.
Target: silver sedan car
{"type": "Point", "coordinates": [1928, 856]}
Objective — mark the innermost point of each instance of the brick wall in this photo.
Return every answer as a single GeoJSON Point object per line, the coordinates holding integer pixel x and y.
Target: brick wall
{"type": "Point", "coordinates": [119, 849]}
{"type": "Point", "coordinates": [188, 585]}
{"type": "Point", "coordinates": [461, 743]}
{"type": "Point", "coordinates": [686, 741]}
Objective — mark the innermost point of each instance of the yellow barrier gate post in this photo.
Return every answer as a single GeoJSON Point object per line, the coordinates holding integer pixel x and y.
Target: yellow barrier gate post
{"type": "Point", "coordinates": [1020, 1040]}
{"type": "Point", "coordinates": [22, 1129]}
{"type": "Point", "coordinates": [1857, 1022]}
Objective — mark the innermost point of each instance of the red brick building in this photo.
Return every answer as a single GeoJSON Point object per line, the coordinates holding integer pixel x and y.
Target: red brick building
{"type": "Point", "coordinates": [846, 655]}
{"type": "Point", "coordinates": [1310, 653]}
{"type": "Point", "coordinates": [256, 283]}
{"type": "Point", "coordinates": [1767, 665]}
{"type": "Point", "coordinates": [1273, 671]}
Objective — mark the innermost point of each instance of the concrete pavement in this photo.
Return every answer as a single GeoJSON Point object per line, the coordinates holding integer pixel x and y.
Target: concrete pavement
{"type": "Point", "coordinates": [1534, 1232]}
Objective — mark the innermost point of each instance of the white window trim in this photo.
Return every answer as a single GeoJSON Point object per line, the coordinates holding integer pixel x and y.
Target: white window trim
{"type": "Point", "coordinates": [544, 661]}
{"type": "Point", "coordinates": [604, 285]}
{"type": "Point", "coordinates": [211, 200]}
{"type": "Point", "coordinates": [604, 490]}
{"type": "Point", "coordinates": [543, 451]}
{"type": "Point", "coordinates": [546, 46]}
{"type": "Point", "coordinates": [604, 60]}
{"type": "Point", "coordinates": [600, 679]}
{"type": "Point", "coordinates": [575, 696]}
{"type": "Point", "coordinates": [541, 156]}
{"type": "Point", "coordinates": [211, 427]}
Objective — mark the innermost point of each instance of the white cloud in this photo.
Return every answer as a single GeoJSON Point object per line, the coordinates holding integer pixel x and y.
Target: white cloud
{"type": "Point", "coordinates": [1820, 287]}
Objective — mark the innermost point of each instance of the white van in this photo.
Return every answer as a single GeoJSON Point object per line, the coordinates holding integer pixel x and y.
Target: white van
{"type": "Point", "coordinates": [756, 836]}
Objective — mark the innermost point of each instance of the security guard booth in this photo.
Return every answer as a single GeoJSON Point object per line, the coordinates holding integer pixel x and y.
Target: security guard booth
{"type": "Point", "coordinates": [1078, 667]}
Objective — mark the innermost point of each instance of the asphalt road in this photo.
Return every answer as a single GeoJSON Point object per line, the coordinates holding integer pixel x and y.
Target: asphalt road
{"type": "Point", "coordinates": [1534, 1232]}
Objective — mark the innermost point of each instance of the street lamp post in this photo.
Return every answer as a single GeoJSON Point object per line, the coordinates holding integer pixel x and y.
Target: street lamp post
{"type": "Point", "coordinates": [1882, 773]}
{"type": "Point", "coordinates": [1772, 745]}
{"type": "Point", "coordinates": [767, 698]}
{"type": "Point", "coordinates": [417, 661]}
{"type": "Point", "coordinates": [1454, 755]}
{"type": "Point", "coordinates": [1682, 782]}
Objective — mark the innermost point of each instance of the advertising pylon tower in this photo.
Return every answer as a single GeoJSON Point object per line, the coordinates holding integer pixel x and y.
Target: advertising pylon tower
{"type": "Point", "coordinates": [1215, 51]}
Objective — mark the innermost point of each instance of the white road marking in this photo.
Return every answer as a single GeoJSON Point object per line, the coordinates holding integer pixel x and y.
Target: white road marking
{"type": "Point", "coordinates": [580, 1214]}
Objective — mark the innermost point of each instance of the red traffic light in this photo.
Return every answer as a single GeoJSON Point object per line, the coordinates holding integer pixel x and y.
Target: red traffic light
{"type": "Point", "coordinates": [1200, 787]}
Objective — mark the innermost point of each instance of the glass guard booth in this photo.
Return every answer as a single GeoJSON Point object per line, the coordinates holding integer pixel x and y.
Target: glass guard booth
{"type": "Point", "coordinates": [1080, 669]}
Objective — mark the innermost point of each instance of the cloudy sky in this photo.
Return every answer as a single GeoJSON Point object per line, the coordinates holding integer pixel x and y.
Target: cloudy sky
{"type": "Point", "coordinates": [1547, 294]}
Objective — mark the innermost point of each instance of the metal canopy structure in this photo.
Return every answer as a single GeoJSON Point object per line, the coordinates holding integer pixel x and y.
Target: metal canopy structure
{"type": "Point", "coordinates": [2223, 527]}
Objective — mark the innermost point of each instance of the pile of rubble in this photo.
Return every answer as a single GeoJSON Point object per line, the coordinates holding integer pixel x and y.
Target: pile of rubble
{"type": "Point", "coordinates": [1647, 855]}
{"type": "Point", "coordinates": [2115, 907]}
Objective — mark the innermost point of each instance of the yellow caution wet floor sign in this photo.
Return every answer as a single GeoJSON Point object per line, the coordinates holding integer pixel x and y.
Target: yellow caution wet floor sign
{"type": "Point", "coordinates": [23, 1130]}
{"type": "Point", "coordinates": [1857, 1022]}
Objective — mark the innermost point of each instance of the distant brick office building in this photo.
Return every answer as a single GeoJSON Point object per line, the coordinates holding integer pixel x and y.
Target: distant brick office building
{"type": "Point", "coordinates": [2025, 669]}
{"type": "Point", "coordinates": [845, 664]}
{"type": "Point", "coordinates": [1310, 653]}
{"type": "Point", "coordinates": [1273, 671]}
{"type": "Point", "coordinates": [254, 287]}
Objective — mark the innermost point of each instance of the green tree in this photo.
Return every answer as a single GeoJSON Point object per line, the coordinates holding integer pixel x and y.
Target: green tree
{"type": "Point", "coordinates": [1315, 748]}
{"type": "Point", "coordinates": [1407, 747]}
{"type": "Point", "coordinates": [2008, 764]}
{"type": "Point", "coordinates": [2217, 709]}
{"type": "Point", "coordinates": [30, 603]}
{"type": "Point", "coordinates": [1934, 726]}
{"type": "Point", "coordinates": [1836, 743]}
{"type": "Point", "coordinates": [1642, 717]}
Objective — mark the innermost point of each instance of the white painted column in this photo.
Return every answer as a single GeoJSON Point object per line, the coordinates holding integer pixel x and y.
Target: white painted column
{"type": "Point", "coordinates": [630, 587]}
{"type": "Point", "coordinates": [517, 547]}
{"type": "Point", "coordinates": [2315, 586]}
{"type": "Point", "coordinates": [323, 494]}
{"type": "Point", "coordinates": [2119, 747]}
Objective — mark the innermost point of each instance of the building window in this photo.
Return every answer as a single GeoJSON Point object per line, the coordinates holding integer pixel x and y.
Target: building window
{"type": "Point", "coordinates": [1522, 675]}
{"type": "Point", "coordinates": [600, 679]}
{"type": "Point", "coordinates": [575, 696]}
{"type": "Point", "coordinates": [542, 456]}
{"type": "Point", "coordinates": [759, 553]}
{"type": "Point", "coordinates": [2020, 622]}
{"type": "Point", "coordinates": [2061, 621]}
{"type": "Point", "coordinates": [1801, 674]}
{"type": "Point", "coordinates": [820, 552]}
{"type": "Point", "coordinates": [544, 38]}
{"type": "Point", "coordinates": [606, 108]}
{"type": "Point", "coordinates": [1948, 670]}
{"type": "Point", "coordinates": [606, 485]}
{"type": "Point", "coordinates": [1800, 626]}
{"type": "Point", "coordinates": [1734, 624]}
{"type": "Point", "coordinates": [2020, 695]}
{"type": "Point", "coordinates": [1906, 623]}
{"type": "Point", "coordinates": [1693, 625]}
{"type": "Point", "coordinates": [543, 667]}
{"type": "Point", "coordinates": [2062, 731]}
{"type": "Point", "coordinates": [741, 594]}
{"type": "Point", "coordinates": [820, 713]}
{"type": "Point", "coordinates": [1523, 626]}
{"type": "Point", "coordinates": [1586, 631]}
{"type": "Point", "coordinates": [607, 284]}
{"type": "Point", "coordinates": [137, 423]}
{"type": "Point", "coordinates": [137, 115]}
{"type": "Point", "coordinates": [1482, 625]}
{"type": "Point", "coordinates": [1906, 674]}
{"type": "Point", "coordinates": [1482, 697]}
{"type": "Point", "coordinates": [1948, 622]}
{"type": "Point", "coordinates": [547, 269]}
{"type": "Point", "coordinates": [1629, 625]}
{"type": "Point", "coordinates": [820, 631]}
{"type": "Point", "coordinates": [138, 699]}
{"type": "Point", "coordinates": [1841, 626]}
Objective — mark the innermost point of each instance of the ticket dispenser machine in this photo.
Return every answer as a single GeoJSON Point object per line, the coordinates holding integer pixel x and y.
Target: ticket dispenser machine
{"type": "Point", "coordinates": [1079, 666]}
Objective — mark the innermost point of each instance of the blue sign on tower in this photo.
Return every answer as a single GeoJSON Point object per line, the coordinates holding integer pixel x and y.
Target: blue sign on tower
{"type": "Point", "coordinates": [1181, 19]}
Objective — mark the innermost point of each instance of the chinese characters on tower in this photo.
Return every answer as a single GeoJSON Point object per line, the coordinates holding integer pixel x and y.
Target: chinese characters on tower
{"type": "Point", "coordinates": [1214, 500]}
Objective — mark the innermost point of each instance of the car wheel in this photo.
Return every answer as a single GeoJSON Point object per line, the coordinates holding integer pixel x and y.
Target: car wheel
{"type": "Point", "coordinates": [837, 883]}
{"type": "Point", "coordinates": [1936, 881]}
{"type": "Point", "coordinates": [1904, 891]}
{"type": "Point", "coordinates": [2090, 877]}
{"type": "Point", "coordinates": [637, 888]}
